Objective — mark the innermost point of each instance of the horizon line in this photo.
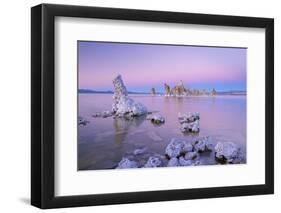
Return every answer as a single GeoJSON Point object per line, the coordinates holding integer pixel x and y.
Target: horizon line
{"type": "Point", "coordinates": [148, 92]}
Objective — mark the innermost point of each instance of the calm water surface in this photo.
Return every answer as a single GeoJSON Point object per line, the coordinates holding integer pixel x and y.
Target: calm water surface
{"type": "Point", "coordinates": [104, 141]}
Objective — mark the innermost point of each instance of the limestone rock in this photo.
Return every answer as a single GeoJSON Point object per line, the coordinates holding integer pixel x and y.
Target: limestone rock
{"type": "Point", "coordinates": [190, 127]}
{"type": "Point", "coordinates": [203, 144]}
{"type": "Point", "coordinates": [125, 163]}
{"type": "Point", "coordinates": [188, 117]}
{"type": "Point", "coordinates": [82, 121]}
{"type": "Point", "coordinates": [189, 122]}
{"type": "Point", "coordinates": [128, 107]}
{"type": "Point", "coordinates": [184, 162]}
{"type": "Point", "coordinates": [191, 155]}
{"type": "Point", "coordinates": [173, 162]}
{"type": "Point", "coordinates": [226, 152]}
{"type": "Point", "coordinates": [156, 118]}
{"type": "Point", "coordinates": [153, 162]}
{"type": "Point", "coordinates": [187, 147]}
{"type": "Point", "coordinates": [174, 148]}
{"type": "Point", "coordinates": [122, 104]}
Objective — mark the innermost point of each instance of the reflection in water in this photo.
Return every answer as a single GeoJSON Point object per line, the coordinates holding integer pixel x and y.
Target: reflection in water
{"type": "Point", "coordinates": [122, 126]}
{"type": "Point", "coordinates": [104, 141]}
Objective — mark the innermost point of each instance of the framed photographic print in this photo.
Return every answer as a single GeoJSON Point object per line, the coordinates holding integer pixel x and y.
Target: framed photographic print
{"type": "Point", "coordinates": [140, 106]}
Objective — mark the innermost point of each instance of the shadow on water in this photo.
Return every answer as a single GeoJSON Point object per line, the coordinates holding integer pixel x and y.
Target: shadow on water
{"type": "Point", "coordinates": [122, 126]}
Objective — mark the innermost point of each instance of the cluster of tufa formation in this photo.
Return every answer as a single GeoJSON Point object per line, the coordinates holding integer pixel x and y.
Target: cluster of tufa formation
{"type": "Point", "coordinates": [189, 122]}
{"type": "Point", "coordinates": [183, 153]}
{"type": "Point", "coordinates": [180, 152]}
{"type": "Point", "coordinates": [180, 91]}
{"type": "Point", "coordinates": [122, 104]}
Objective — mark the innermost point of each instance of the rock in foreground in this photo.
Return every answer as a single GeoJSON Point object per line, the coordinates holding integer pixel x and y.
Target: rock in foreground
{"type": "Point", "coordinates": [153, 162]}
{"type": "Point", "coordinates": [174, 148]}
{"type": "Point", "coordinates": [184, 162]}
{"type": "Point", "coordinates": [125, 163]}
{"type": "Point", "coordinates": [173, 162]}
{"type": "Point", "coordinates": [122, 104]}
{"type": "Point", "coordinates": [227, 152]}
{"type": "Point", "coordinates": [178, 147]}
{"type": "Point", "coordinates": [180, 152]}
{"type": "Point", "coordinates": [203, 144]}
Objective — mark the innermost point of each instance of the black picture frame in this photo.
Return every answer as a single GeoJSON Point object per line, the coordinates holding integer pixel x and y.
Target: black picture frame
{"type": "Point", "coordinates": [43, 105]}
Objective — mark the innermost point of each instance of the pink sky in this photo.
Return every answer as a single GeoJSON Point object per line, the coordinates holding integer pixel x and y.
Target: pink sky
{"type": "Point", "coordinates": [143, 66]}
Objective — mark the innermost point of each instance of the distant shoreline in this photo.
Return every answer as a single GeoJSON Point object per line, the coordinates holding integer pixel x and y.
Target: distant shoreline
{"type": "Point", "coordinates": [88, 91]}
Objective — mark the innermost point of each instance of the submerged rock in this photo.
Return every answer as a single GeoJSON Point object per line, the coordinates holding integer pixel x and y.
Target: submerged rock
{"type": "Point", "coordinates": [106, 114]}
{"type": "Point", "coordinates": [122, 104]}
{"type": "Point", "coordinates": [203, 144]}
{"type": "Point", "coordinates": [189, 122]}
{"type": "Point", "coordinates": [82, 121]}
{"type": "Point", "coordinates": [103, 114]}
{"type": "Point", "coordinates": [97, 114]}
{"type": "Point", "coordinates": [156, 118]}
{"type": "Point", "coordinates": [140, 151]}
{"type": "Point", "coordinates": [227, 152]}
{"type": "Point", "coordinates": [153, 162]}
{"type": "Point", "coordinates": [125, 163]}
{"type": "Point", "coordinates": [154, 136]}
{"type": "Point", "coordinates": [173, 162]}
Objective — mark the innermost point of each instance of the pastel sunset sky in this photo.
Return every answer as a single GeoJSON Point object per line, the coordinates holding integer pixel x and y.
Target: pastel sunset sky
{"type": "Point", "coordinates": [144, 66]}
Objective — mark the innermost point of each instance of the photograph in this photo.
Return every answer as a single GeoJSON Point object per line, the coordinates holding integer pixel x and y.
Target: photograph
{"type": "Point", "coordinates": [139, 105]}
{"type": "Point", "coordinates": [146, 105]}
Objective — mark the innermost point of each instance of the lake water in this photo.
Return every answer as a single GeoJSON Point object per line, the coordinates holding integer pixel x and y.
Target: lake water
{"type": "Point", "coordinates": [104, 141]}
